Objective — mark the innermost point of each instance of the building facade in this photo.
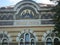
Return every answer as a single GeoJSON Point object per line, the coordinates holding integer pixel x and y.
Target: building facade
{"type": "Point", "coordinates": [27, 23]}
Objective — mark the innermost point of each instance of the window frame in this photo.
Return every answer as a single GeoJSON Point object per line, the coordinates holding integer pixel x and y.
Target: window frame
{"type": "Point", "coordinates": [55, 38]}
{"type": "Point", "coordinates": [34, 41]}
{"type": "Point", "coordinates": [22, 42]}
{"type": "Point", "coordinates": [6, 39]}
{"type": "Point", "coordinates": [48, 38]}
{"type": "Point", "coordinates": [19, 34]}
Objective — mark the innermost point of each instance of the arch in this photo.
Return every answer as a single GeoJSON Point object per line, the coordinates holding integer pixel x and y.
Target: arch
{"type": "Point", "coordinates": [26, 36]}
{"type": "Point", "coordinates": [19, 7]}
{"type": "Point", "coordinates": [50, 38]}
{"type": "Point", "coordinates": [18, 13]}
{"type": "Point", "coordinates": [27, 6]}
{"type": "Point", "coordinates": [21, 41]}
{"type": "Point", "coordinates": [49, 41]}
{"type": "Point", "coordinates": [33, 42]}
{"type": "Point", "coordinates": [56, 41]}
{"type": "Point", "coordinates": [5, 41]}
{"type": "Point", "coordinates": [4, 17]}
{"type": "Point", "coordinates": [28, 2]}
{"type": "Point", "coordinates": [5, 38]}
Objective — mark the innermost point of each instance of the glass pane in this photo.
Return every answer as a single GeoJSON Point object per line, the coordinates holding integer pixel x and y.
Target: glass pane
{"type": "Point", "coordinates": [27, 39]}
{"type": "Point", "coordinates": [27, 16]}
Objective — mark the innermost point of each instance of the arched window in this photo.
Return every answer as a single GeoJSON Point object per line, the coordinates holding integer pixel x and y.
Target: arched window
{"type": "Point", "coordinates": [56, 41]}
{"type": "Point", "coordinates": [49, 41]}
{"type": "Point", "coordinates": [26, 38]}
{"type": "Point", "coordinates": [32, 42]}
{"type": "Point", "coordinates": [27, 15]}
{"type": "Point", "coordinates": [10, 17]}
{"type": "Point", "coordinates": [21, 42]}
{"type": "Point", "coordinates": [4, 17]}
{"type": "Point", "coordinates": [50, 38]}
{"type": "Point", "coordinates": [4, 38]}
{"type": "Point", "coordinates": [5, 42]}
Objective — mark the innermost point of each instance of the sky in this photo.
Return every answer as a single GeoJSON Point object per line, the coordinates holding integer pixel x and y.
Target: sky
{"type": "Point", "coordinates": [4, 3]}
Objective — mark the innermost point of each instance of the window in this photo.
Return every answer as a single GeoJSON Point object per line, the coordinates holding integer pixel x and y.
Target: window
{"type": "Point", "coordinates": [6, 17]}
{"type": "Point", "coordinates": [21, 42]}
{"type": "Point", "coordinates": [56, 41]}
{"type": "Point", "coordinates": [47, 19]}
{"type": "Point", "coordinates": [50, 38]}
{"type": "Point", "coordinates": [4, 42]}
{"type": "Point", "coordinates": [6, 20]}
{"type": "Point", "coordinates": [32, 42]}
{"type": "Point", "coordinates": [46, 16]}
{"type": "Point", "coordinates": [49, 41]}
{"type": "Point", "coordinates": [4, 38]}
{"type": "Point", "coordinates": [26, 38]}
{"type": "Point", "coordinates": [27, 13]}
{"type": "Point", "coordinates": [43, 16]}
